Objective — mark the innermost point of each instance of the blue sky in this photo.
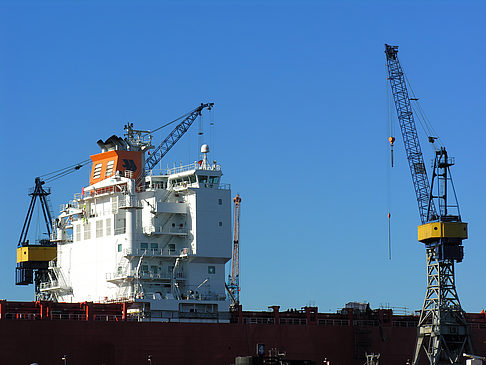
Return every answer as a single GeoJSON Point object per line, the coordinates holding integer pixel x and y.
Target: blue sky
{"type": "Point", "coordinates": [300, 126]}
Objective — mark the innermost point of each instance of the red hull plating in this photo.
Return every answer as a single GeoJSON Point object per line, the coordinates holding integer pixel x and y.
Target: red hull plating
{"type": "Point", "coordinates": [342, 338]}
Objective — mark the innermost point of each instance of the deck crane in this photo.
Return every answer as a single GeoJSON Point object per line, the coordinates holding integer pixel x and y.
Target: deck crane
{"type": "Point", "coordinates": [33, 258]}
{"type": "Point", "coordinates": [233, 286]}
{"type": "Point", "coordinates": [137, 138]}
{"type": "Point", "coordinates": [442, 333]}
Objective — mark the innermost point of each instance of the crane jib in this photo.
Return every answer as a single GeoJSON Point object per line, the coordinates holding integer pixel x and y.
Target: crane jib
{"type": "Point", "coordinates": [162, 149]}
{"type": "Point", "coordinates": [409, 134]}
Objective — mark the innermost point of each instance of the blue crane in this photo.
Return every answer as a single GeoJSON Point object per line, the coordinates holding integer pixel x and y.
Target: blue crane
{"type": "Point", "coordinates": [443, 333]}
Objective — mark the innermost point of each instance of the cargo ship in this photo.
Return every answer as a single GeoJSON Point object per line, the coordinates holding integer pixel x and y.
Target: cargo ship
{"type": "Point", "coordinates": [134, 273]}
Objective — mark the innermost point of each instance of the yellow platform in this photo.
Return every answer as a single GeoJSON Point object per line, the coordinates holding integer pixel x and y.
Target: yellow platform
{"type": "Point", "coordinates": [435, 230]}
{"type": "Point", "coordinates": [36, 253]}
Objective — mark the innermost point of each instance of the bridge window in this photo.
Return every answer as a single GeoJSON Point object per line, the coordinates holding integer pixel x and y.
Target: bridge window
{"type": "Point", "coordinates": [97, 171]}
{"type": "Point", "coordinates": [109, 168]}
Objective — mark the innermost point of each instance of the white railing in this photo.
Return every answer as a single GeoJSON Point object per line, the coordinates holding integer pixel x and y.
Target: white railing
{"type": "Point", "coordinates": [174, 231]}
{"type": "Point", "coordinates": [154, 276]}
{"type": "Point", "coordinates": [144, 275]}
{"type": "Point", "coordinates": [190, 167]}
{"type": "Point", "coordinates": [220, 186]}
{"type": "Point", "coordinates": [124, 202]}
{"type": "Point", "coordinates": [49, 285]}
{"type": "Point", "coordinates": [120, 230]}
{"type": "Point", "coordinates": [155, 252]}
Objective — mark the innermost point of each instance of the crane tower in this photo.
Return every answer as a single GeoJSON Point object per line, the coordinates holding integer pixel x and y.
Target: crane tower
{"type": "Point", "coordinates": [443, 333]}
{"type": "Point", "coordinates": [234, 279]}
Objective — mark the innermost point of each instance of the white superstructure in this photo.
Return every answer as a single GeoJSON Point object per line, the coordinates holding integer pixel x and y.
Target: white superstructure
{"type": "Point", "coordinates": [160, 242]}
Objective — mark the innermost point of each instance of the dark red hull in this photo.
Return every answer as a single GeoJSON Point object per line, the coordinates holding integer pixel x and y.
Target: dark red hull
{"type": "Point", "coordinates": [342, 338]}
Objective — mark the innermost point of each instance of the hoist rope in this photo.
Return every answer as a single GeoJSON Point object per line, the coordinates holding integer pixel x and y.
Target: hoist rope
{"type": "Point", "coordinates": [390, 129]}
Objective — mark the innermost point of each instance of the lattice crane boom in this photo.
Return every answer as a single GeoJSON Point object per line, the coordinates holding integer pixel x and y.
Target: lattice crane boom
{"type": "Point", "coordinates": [163, 148]}
{"type": "Point", "coordinates": [410, 135]}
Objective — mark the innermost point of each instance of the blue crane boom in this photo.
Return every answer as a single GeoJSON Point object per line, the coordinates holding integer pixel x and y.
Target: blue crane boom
{"type": "Point", "coordinates": [162, 149]}
{"type": "Point", "coordinates": [410, 136]}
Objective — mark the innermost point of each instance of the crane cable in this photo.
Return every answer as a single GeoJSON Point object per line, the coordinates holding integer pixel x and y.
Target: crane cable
{"type": "Point", "coordinates": [175, 120]}
{"type": "Point", "coordinates": [54, 175]}
{"type": "Point", "coordinates": [421, 116]}
{"type": "Point", "coordinates": [391, 139]}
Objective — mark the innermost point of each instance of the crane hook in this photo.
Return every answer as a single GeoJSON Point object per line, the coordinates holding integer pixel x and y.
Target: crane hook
{"type": "Point", "coordinates": [391, 140]}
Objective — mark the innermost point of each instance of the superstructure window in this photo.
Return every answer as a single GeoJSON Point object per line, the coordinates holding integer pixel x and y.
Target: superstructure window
{"type": "Point", "coordinates": [119, 247]}
{"type": "Point", "coordinates": [77, 228]}
{"type": "Point", "coordinates": [143, 246]}
{"type": "Point", "coordinates": [108, 226]}
{"type": "Point", "coordinates": [171, 248]}
{"type": "Point", "coordinates": [99, 229]}
{"type": "Point", "coordinates": [109, 168]}
{"type": "Point", "coordinates": [220, 201]}
{"type": "Point", "coordinates": [97, 171]}
{"type": "Point", "coordinates": [87, 231]}
{"type": "Point", "coordinates": [211, 269]}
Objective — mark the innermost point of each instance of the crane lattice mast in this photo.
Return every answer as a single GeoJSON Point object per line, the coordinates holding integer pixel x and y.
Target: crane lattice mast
{"type": "Point", "coordinates": [442, 332]}
{"type": "Point", "coordinates": [234, 279]}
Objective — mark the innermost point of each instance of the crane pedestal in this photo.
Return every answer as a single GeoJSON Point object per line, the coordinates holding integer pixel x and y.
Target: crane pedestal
{"type": "Point", "coordinates": [443, 333]}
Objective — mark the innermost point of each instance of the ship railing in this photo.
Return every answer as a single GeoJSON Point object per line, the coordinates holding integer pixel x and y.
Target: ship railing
{"type": "Point", "coordinates": [120, 230]}
{"type": "Point", "coordinates": [221, 186]}
{"type": "Point", "coordinates": [68, 316]}
{"type": "Point", "coordinates": [124, 202]}
{"type": "Point", "coordinates": [258, 320]}
{"type": "Point", "coordinates": [66, 206]}
{"type": "Point", "coordinates": [67, 238]}
{"type": "Point", "coordinates": [293, 321]}
{"type": "Point", "coordinates": [172, 230]}
{"type": "Point", "coordinates": [21, 316]}
{"type": "Point", "coordinates": [119, 275]}
{"type": "Point", "coordinates": [334, 322]}
{"type": "Point", "coordinates": [155, 252]}
{"type": "Point", "coordinates": [108, 318]}
{"type": "Point", "coordinates": [154, 276]}
{"type": "Point", "coordinates": [49, 285]}
{"type": "Point", "coordinates": [190, 167]}
{"type": "Point", "coordinates": [113, 189]}
{"type": "Point", "coordinates": [366, 323]}
{"type": "Point", "coordinates": [404, 323]}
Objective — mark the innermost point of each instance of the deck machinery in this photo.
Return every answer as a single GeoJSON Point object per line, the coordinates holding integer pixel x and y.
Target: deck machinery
{"type": "Point", "coordinates": [443, 333]}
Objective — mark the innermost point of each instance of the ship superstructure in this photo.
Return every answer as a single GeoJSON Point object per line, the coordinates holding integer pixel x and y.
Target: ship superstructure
{"type": "Point", "coordinates": [160, 242]}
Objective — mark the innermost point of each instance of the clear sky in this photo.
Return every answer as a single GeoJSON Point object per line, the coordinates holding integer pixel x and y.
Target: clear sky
{"type": "Point", "coordinates": [300, 126]}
